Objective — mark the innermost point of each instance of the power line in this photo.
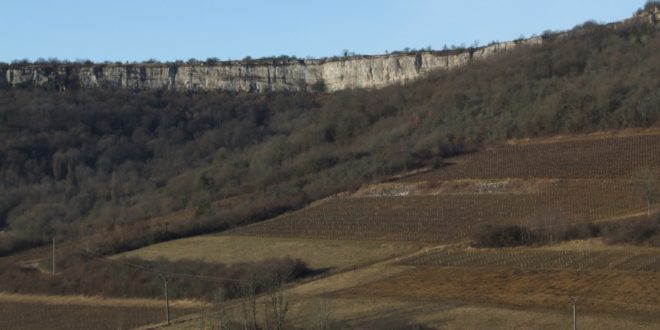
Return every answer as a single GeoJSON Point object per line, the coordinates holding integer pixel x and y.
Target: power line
{"type": "Point", "coordinates": [623, 304]}
{"type": "Point", "coordinates": [53, 255]}
{"type": "Point", "coordinates": [164, 275]}
{"type": "Point", "coordinates": [162, 272]}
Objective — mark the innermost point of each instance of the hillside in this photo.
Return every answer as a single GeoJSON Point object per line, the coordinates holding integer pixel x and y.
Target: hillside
{"type": "Point", "coordinates": [534, 184]}
{"type": "Point", "coordinates": [549, 184]}
{"type": "Point", "coordinates": [86, 161]}
{"type": "Point", "coordinates": [584, 191]}
{"type": "Point", "coordinates": [495, 195]}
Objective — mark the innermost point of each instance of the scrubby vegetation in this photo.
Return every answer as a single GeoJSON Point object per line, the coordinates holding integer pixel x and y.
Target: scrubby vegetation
{"type": "Point", "coordinates": [83, 160]}
{"type": "Point", "coordinates": [645, 232]}
{"type": "Point", "coordinates": [87, 274]}
{"type": "Point", "coordinates": [636, 232]}
{"type": "Point", "coordinates": [494, 236]}
{"type": "Point", "coordinates": [650, 4]}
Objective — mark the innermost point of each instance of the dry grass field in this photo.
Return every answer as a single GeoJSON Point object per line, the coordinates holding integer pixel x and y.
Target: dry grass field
{"type": "Point", "coordinates": [318, 254]}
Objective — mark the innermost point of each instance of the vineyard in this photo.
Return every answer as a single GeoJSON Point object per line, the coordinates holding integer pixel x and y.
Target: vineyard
{"type": "Point", "coordinates": [46, 316]}
{"type": "Point", "coordinates": [584, 180]}
{"type": "Point", "coordinates": [598, 290]}
{"type": "Point", "coordinates": [454, 217]}
{"type": "Point", "coordinates": [606, 158]}
{"type": "Point", "coordinates": [626, 261]}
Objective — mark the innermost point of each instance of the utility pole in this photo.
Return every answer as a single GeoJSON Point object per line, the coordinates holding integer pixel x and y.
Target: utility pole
{"type": "Point", "coordinates": [167, 300]}
{"type": "Point", "coordinates": [574, 299]}
{"type": "Point", "coordinates": [53, 255]}
{"type": "Point", "coordinates": [87, 244]}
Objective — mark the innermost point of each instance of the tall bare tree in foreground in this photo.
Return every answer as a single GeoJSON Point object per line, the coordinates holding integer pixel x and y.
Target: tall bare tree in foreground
{"type": "Point", "coordinates": [646, 185]}
{"type": "Point", "coordinates": [321, 314]}
{"type": "Point", "coordinates": [223, 316]}
{"type": "Point", "coordinates": [276, 305]}
{"type": "Point", "coordinates": [249, 306]}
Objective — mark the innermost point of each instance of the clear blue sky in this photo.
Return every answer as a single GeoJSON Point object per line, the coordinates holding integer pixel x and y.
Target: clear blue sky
{"type": "Point", "coordinates": [135, 30]}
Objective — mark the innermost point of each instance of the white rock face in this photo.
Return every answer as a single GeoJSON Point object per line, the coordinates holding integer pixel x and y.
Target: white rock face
{"type": "Point", "coordinates": [259, 76]}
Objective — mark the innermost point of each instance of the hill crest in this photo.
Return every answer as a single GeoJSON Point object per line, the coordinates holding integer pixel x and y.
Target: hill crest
{"type": "Point", "coordinates": [265, 75]}
{"type": "Point", "coordinates": [277, 74]}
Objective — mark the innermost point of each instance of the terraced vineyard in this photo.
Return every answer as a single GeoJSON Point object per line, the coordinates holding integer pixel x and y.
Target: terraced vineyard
{"type": "Point", "coordinates": [452, 217]}
{"type": "Point", "coordinates": [602, 158]}
{"type": "Point", "coordinates": [627, 261]}
{"type": "Point", "coordinates": [583, 180]}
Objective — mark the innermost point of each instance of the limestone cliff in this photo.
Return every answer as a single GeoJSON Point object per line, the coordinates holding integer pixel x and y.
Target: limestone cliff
{"type": "Point", "coordinates": [254, 76]}
{"type": "Point", "coordinates": [267, 75]}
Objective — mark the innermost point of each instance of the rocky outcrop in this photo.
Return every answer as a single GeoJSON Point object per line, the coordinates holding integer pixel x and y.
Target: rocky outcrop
{"type": "Point", "coordinates": [254, 76]}
{"type": "Point", "coordinates": [267, 75]}
{"type": "Point", "coordinates": [650, 15]}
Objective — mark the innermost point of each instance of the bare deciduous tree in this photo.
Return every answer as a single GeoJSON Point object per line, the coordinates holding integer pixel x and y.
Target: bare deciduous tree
{"type": "Point", "coordinates": [276, 306]}
{"type": "Point", "coordinates": [223, 317]}
{"type": "Point", "coordinates": [249, 306]}
{"type": "Point", "coordinates": [646, 185]}
{"type": "Point", "coordinates": [321, 311]}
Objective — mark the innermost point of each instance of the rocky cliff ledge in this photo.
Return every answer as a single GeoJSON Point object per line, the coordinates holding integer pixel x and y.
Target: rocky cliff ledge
{"type": "Point", "coordinates": [267, 75]}
{"type": "Point", "coordinates": [254, 76]}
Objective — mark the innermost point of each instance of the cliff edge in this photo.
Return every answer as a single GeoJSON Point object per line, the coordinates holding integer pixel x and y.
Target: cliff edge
{"type": "Point", "coordinates": [252, 76]}
{"type": "Point", "coordinates": [265, 75]}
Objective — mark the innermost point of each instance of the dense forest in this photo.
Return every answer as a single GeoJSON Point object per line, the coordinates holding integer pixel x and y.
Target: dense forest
{"type": "Point", "coordinates": [74, 162]}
